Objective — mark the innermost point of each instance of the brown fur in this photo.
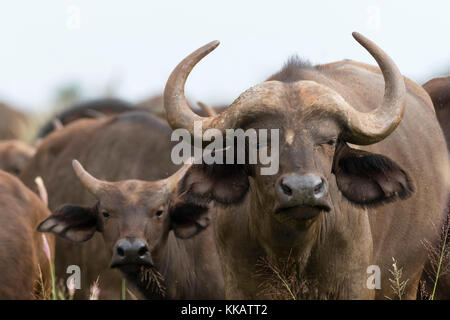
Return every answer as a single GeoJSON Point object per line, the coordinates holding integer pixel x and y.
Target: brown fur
{"type": "Point", "coordinates": [155, 105]}
{"type": "Point", "coordinates": [21, 246]}
{"type": "Point", "coordinates": [90, 109]}
{"type": "Point", "coordinates": [14, 155]}
{"type": "Point", "coordinates": [12, 123]}
{"type": "Point", "coordinates": [439, 91]}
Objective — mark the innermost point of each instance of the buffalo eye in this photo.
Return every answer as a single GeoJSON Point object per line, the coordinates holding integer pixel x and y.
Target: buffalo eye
{"type": "Point", "coordinates": [327, 143]}
{"type": "Point", "coordinates": [159, 213]}
{"type": "Point", "coordinates": [106, 214]}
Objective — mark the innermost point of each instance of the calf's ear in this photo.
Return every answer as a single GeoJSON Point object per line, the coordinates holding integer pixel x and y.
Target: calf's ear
{"type": "Point", "coordinates": [71, 222]}
{"type": "Point", "coordinates": [188, 218]}
{"type": "Point", "coordinates": [369, 179]}
{"type": "Point", "coordinates": [225, 184]}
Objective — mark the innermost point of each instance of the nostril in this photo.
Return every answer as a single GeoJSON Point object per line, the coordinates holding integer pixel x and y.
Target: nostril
{"type": "Point", "coordinates": [120, 251]}
{"type": "Point", "coordinates": [319, 188]}
{"type": "Point", "coordinates": [142, 251]}
{"type": "Point", "coordinates": [286, 190]}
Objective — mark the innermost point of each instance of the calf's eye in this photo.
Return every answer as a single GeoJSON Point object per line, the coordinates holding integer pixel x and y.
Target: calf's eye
{"type": "Point", "coordinates": [106, 214]}
{"type": "Point", "coordinates": [159, 213]}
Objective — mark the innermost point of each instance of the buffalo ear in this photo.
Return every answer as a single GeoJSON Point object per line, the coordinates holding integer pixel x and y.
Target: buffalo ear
{"type": "Point", "coordinates": [370, 179]}
{"type": "Point", "coordinates": [225, 184]}
{"type": "Point", "coordinates": [188, 219]}
{"type": "Point", "coordinates": [71, 222]}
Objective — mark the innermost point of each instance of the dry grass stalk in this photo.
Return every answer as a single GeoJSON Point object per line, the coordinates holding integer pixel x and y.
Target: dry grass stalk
{"type": "Point", "coordinates": [397, 284]}
{"type": "Point", "coordinates": [154, 279]}
{"type": "Point", "coordinates": [281, 280]}
{"type": "Point", "coordinates": [438, 257]}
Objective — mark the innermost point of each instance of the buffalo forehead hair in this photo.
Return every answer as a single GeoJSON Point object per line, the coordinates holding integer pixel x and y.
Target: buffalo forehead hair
{"type": "Point", "coordinates": [292, 70]}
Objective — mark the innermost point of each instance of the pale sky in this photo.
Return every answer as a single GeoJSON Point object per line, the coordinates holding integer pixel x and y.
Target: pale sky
{"type": "Point", "coordinates": [136, 44]}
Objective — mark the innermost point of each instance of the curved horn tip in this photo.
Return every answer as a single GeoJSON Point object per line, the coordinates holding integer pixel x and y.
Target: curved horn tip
{"type": "Point", "coordinates": [214, 43]}
{"type": "Point", "coordinates": [358, 36]}
{"type": "Point", "coordinates": [76, 164]}
{"type": "Point", "coordinates": [77, 167]}
{"type": "Point", "coordinates": [367, 43]}
{"type": "Point", "coordinates": [210, 46]}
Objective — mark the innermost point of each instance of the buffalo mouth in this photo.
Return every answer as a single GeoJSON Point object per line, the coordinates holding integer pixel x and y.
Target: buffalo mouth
{"type": "Point", "coordinates": [132, 266]}
{"type": "Point", "coordinates": [303, 212]}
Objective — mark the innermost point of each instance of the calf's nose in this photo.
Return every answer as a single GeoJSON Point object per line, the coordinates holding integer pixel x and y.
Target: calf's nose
{"type": "Point", "coordinates": [131, 251]}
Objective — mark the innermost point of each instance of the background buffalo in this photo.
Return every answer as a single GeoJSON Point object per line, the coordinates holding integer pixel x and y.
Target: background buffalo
{"type": "Point", "coordinates": [25, 255]}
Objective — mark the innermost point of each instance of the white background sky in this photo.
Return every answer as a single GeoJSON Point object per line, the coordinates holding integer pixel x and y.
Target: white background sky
{"type": "Point", "coordinates": [136, 44]}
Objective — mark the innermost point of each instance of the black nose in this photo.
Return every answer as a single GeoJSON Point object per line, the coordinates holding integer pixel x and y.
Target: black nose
{"type": "Point", "coordinates": [131, 251]}
{"type": "Point", "coordinates": [294, 189]}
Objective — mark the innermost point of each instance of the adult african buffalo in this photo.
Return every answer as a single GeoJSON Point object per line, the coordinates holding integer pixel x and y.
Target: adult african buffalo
{"type": "Point", "coordinates": [439, 91]}
{"type": "Point", "coordinates": [25, 269]}
{"type": "Point", "coordinates": [90, 109]}
{"type": "Point", "coordinates": [104, 107]}
{"type": "Point", "coordinates": [134, 145]}
{"type": "Point", "coordinates": [14, 155]}
{"type": "Point", "coordinates": [136, 219]}
{"type": "Point", "coordinates": [13, 123]}
{"type": "Point", "coordinates": [362, 176]}
{"type": "Point", "coordinates": [155, 105]}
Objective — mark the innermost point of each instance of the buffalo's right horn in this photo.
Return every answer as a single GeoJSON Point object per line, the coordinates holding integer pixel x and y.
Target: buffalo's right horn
{"type": "Point", "coordinates": [92, 184]}
{"type": "Point", "coordinates": [256, 100]}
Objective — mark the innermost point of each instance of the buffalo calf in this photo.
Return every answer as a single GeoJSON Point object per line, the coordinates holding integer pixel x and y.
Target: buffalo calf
{"type": "Point", "coordinates": [149, 235]}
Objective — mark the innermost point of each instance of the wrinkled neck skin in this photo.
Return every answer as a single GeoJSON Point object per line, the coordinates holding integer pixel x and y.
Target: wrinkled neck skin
{"type": "Point", "coordinates": [184, 275]}
{"type": "Point", "coordinates": [332, 252]}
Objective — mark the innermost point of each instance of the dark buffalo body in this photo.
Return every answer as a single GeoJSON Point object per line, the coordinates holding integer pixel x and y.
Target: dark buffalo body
{"type": "Point", "coordinates": [155, 105]}
{"type": "Point", "coordinates": [439, 91]}
{"type": "Point", "coordinates": [91, 109]}
{"type": "Point", "coordinates": [105, 107]}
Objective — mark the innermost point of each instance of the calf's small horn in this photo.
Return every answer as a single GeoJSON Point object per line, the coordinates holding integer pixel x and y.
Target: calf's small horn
{"type": "Point", "coordinates": [92, 184]}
